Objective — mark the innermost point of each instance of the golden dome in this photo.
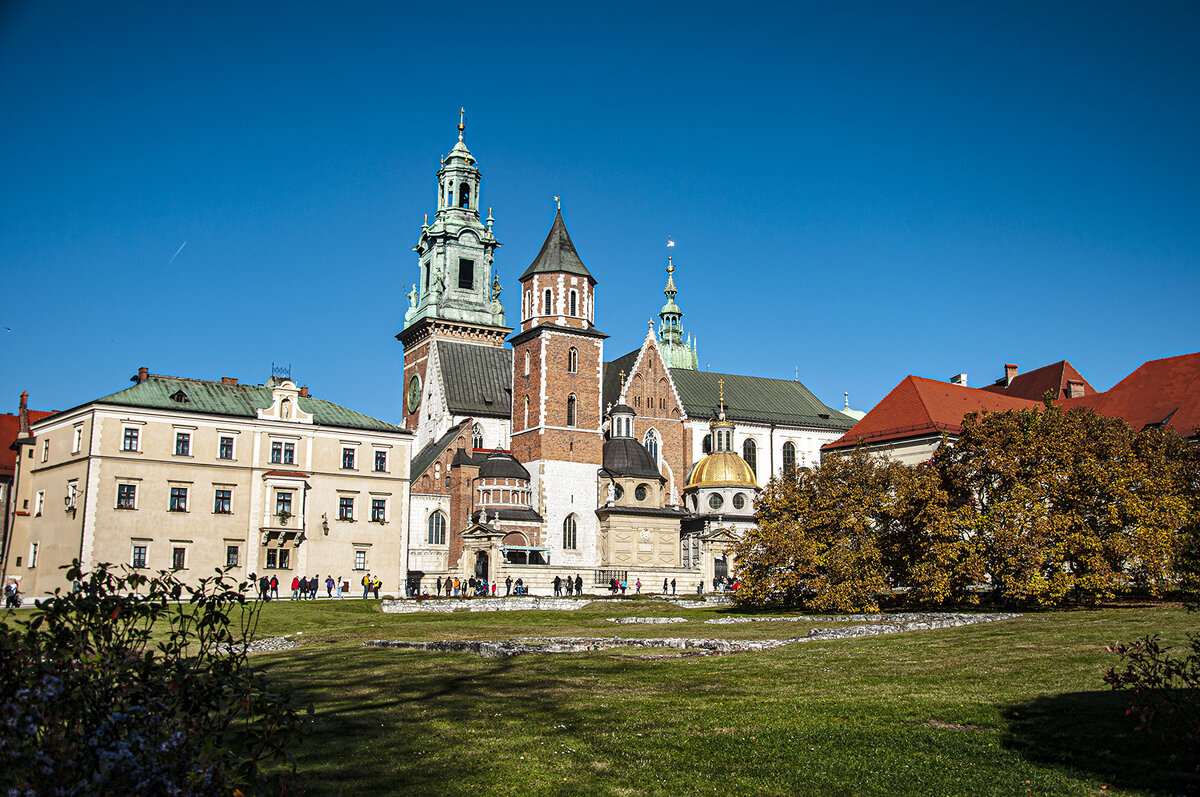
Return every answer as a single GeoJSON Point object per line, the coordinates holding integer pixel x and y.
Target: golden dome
{"type": "Point", "coordinates": [722, 469]}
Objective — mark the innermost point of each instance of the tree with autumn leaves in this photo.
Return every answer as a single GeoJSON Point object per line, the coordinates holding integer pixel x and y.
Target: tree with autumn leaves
{"type": "Point", "coordinates": [1037, 506]}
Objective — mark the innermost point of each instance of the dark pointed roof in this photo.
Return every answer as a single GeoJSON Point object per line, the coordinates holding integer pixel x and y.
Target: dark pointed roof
{"type": "Point", "coordinates": [624, 456]}
{"type": "Point", "coordinates": [558, 254]}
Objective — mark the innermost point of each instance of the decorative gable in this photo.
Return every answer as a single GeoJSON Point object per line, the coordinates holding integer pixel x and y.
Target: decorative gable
{"type": "Point", "coordinates": [285, 403]}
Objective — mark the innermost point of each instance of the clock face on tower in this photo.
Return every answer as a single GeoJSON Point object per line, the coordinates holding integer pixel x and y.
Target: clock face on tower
{"type": "Point", "coordinates": [414, 393]}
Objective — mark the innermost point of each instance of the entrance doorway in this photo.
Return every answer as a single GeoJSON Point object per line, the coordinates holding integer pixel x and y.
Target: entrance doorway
{"type": "Point", "coordinates": [720, 567]}
{"type": "Point", "coordinates": [481, 564]}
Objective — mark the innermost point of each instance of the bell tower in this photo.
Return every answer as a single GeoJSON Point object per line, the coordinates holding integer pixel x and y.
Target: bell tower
{"type": "Point", "coordinates": [457, 296]}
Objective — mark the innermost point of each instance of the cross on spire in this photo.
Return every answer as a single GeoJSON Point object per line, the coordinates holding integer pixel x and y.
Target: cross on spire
{"type": "Point", "coordinates": [462, 112]}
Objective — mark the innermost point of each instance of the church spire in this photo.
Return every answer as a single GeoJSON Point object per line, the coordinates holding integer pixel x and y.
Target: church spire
{"type": "Point", "coordinates": [675, 350]}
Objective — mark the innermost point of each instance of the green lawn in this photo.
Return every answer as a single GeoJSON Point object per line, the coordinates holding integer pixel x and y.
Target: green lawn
{"type": "Point", "coordinates": [1014, 707]}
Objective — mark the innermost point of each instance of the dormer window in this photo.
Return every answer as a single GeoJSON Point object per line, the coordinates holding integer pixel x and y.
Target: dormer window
{"type": "Point", "coordinates": [179, 397]}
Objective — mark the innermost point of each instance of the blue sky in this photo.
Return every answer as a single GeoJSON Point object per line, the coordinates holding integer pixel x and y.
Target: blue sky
{"type": "Point", "coordinates": [857, 190]}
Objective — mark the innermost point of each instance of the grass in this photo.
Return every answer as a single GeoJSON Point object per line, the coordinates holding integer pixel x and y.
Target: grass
{"type": "Point", "coordinates": [1015, 707]}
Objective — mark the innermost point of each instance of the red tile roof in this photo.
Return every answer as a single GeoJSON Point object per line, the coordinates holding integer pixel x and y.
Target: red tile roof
{"type": "Point", "coordinates": [1033, 385]}
{"type": "Point", "coordinates": [1160, 391]}
{"type": "Point", "coordinates": [10, 427]}
{"type": "Point", "coordinates": [919, 406]}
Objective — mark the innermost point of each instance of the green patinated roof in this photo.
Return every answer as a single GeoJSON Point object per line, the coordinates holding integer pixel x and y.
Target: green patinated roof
{"type": "Point", "coordinates": [754, 399]}
{"type": "Point", "coordinates": [558, 254]}
{"type": "Point", "coordinates": [477, 379]}
{"type": "Point", "coordinates": [242, 401]}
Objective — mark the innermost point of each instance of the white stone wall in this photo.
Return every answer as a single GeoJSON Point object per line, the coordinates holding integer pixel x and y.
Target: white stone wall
{"type": "Point", "coordinates": [770, 444]}
{"type": "Point", "coordinates": [561, 489]}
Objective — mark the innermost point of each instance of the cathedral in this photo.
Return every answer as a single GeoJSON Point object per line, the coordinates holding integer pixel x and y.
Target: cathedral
{"type": "Point", "coordinates": [536, 457]}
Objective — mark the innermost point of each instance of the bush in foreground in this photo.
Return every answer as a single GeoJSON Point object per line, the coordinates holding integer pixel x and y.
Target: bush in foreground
{"type": "Point", "coordinates": [134, 684]}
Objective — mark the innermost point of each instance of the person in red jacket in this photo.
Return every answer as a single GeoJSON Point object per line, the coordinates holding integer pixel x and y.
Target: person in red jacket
{"type": "Point", "coordinates": [295, 587]}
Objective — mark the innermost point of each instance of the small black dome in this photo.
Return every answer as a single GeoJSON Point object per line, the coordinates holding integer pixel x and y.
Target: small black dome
{"type": "Point", "coordinates": [500, 465]}
{"type": "Point", "coordinates": [625, 408]}
{"type": "Point", "coordinates": [624, 456]}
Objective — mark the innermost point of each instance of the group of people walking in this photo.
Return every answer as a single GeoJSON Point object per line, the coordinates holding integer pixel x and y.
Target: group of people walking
{"type": "Point", "coordinates": [305, 588]}
{"type": "Point", "coordinates": [568, 586]}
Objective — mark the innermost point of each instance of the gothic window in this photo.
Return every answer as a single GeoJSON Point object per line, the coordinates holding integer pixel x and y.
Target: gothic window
{"type": "Point", "coordinates": [750, 454]}
{"type": "Point", "coordinates": [466, 274]}
{"type": "Point", "coordinates": [464, 195]}
{"type": "Point", "coordinates": [476, 437]}
{"type": "Point", "coordinates": [651, 444]}
{"type": "Point", "coordinates": [571, 410]}
{"type": "Point", "coordinates": [572, 303]}
{"type": "Point", "coordinates": [789, 456]}
{"type": "Point", "coordinates": [573, 360]}
{"type": "Point", "coordinates": [527, 362]}
{"type": "Point", "coordinates": [707, 445]}
{"type": "Point", "coordinates": [570, 533]}
{"type": "Point", "coordinates": [546, 305]}
{"type": "Point", "coordinates": [437, 529]}
{"type": "Point", "coordinates": [526, 424]}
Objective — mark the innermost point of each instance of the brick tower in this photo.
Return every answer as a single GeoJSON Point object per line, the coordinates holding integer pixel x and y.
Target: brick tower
{"type": "Point", "coordinates": [556, 415]}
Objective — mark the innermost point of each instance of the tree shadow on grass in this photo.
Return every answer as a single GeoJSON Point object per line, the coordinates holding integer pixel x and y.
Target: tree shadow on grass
{"type": "Point", "coordinates": [1090, 732]}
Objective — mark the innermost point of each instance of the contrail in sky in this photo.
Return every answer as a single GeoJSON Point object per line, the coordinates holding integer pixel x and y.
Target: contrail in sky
{"type": "Point", "coordinates": [177, 251]}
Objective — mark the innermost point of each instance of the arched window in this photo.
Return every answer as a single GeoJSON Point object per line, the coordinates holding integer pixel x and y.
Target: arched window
{"type": "Point", "coordinates": [707, 444]}
{"type": "Point", "coordinates": [450, 195]}
{"type": "Point", "coordinates": [789, 456]}
{"type": "Point", "coordinates": [546, 305]}
{"type": "Point", "coordinates": [437, 529]}
{"type": "Point", "coordinates": [573, 360]}
{"type": "Point", "coordinates": [464, 195]}
{"type": "Point", "coordinates": [651, 444]}
{"type": "Point", "coordinates": [526, 424]}
{"type": "Point", "coordinates": [570, 533]}
{"type": "Point", "coordinates": [571, 410]}
{"type": "Point", "coordinates": [572, 302]}
{"type": "Point", "coordinates": [527, 362]}
{"type": "Point", "coordinates": [476, 437]}
{"type": "Point", "coordinates": [750, 454]}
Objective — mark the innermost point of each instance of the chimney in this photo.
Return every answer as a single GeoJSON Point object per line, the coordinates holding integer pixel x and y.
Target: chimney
{"type": "Point", "coordinates": [304, 391]}
{"type": "Point", "coordinates": [1010, 373]}
{"type": "Point", "coordinates": [1074, 389]}
{"type": "Point", "coordinates": [229, 380]}
{"type": "Point", "coordinates": [142, 375]}
{"type": "Point", "coordinates": [959, 379]}
{"type": "Point", "coordinates": [23, 414]}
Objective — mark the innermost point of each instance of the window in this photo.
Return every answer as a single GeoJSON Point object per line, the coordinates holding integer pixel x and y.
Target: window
{"type": "Point", "coordinates": [526, 362]}
{"type": "Point", "coordinates": [45, 449]}
{"type": "Point", "coordinates": [283, 453]}
{"type": "Point", "coordinates": [223, 502]}
{"type": "Point", "coordinates": [437, 529]}
{"type": "Point", "coordinates": [570, 533]}
{"type": "Point", "coordinates": [276, 452]}
{"type": "Point", "coordinates": [380, 461]}
{"type": "Point", "coordinates": [750, 454]}
{"type": "Point", "coordinates": [278, 559]}
{"type": "Point", "coordinates": [476, 437]}
{"type": "Point", "coordinates": [39, 503]}
{"type": "Point", "coordinates": [466, 274]}
{"type": "Point", "coordinates": [283, 503]}
{"type": "Point", "coordinates": [789, 456]}
{"type": "Point", "coordinates": [547, 305]}
{"type": "Point", "coordinates": [183, 444]}
{"type": "Point", "coordinates": [641, 492]}
{"type": "Point", "coordinates": [716, 501]}
{"type": "Point", "coordinates": [347, 459]}
{"type": "Point", "coordinates": [178, 499]}
{"type": "Point", "coordinates": [77, 442]}
{"type": "Point", "coordinates": [33, 552]}
{"type": "Point", "coordinates": [360, 560]}
{"type": "Point", "coordinates": [572, 302]}
{"type": "Point", "coordinates": [289, 453]}
{"type": "Point", "coordinates": [178, 558]}
{"type": "Point", "coordinates": [378, 510]}
{"type": "Point", "coordinates": [345, 508]}
{"type": "Point", "coordinates": [573, 360]}
{"type": "Point", "coordinates": [139, 556]}
{"type": "Point", "coordinates": [571, 410]}
{"type": "Point", "coordinates": [225, 448]}
{"type": "Point", "coordinates": [739, 501]}
{"type": "Point", "coordinates": [651, 444]}
{"type": "Point", "coordinates": [232, 555]}
{"type": "Point", "coordinates": [707, 444]}
{"type": "Point", "coordinates": [126, 496]}
{"type": "Point", "coordinates": [464, 195]}
{"type": "Point", "coordinates": [129, 439]}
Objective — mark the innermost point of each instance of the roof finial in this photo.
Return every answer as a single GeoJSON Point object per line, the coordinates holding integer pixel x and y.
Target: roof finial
{"type": "Point", "coordinates": [622, 379]}
{"type": "Point", "coordinates": [847, 395]}
{"type": "Point", "coordinates": [721, 387]}
{"type": "Point", "coordinates": [558, 201]}
{"type": "Point", "coordinates": [670, 265]}
{"type": "Point", "coordinates": [462, 112]}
